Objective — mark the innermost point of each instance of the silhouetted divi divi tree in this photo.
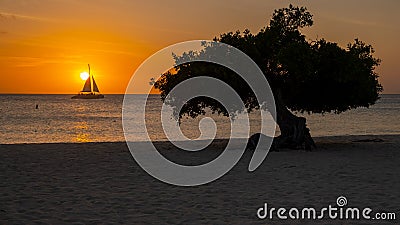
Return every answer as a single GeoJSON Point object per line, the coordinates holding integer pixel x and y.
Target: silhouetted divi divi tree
{"type": "Point", "coordinates": [305, 76]}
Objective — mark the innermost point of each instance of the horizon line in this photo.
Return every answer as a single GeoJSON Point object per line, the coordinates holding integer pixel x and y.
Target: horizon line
{"type": "Point", "coordinates": [74, 93]}
{"type": "Point", "coordinates": [1, 93]}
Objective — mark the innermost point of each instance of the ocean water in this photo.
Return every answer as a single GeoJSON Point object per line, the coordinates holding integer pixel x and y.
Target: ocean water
{"type": "Point", "coordinates": [61, 119]}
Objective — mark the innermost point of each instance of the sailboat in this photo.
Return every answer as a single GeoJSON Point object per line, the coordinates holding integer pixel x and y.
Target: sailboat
{"type": "Point", "coordinates": [90, 89]}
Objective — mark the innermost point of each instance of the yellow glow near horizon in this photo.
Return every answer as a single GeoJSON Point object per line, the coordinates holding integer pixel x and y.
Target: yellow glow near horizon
{"type": "Point", "coordinates": [84, 75]}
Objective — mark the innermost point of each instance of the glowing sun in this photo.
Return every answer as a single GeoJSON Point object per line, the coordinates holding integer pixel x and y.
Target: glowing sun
{"type": "Point", "coordinates": [84, 75]}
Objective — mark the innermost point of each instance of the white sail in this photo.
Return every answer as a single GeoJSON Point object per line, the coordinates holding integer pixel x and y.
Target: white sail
{"type": "Point", "coordinates": [87, 87]}
{"type": "Point", "coordinates": [95, 88]}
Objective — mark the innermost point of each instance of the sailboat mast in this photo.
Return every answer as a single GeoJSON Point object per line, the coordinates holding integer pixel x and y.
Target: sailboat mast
{"type": "Point", "coordinates": [91, 80]}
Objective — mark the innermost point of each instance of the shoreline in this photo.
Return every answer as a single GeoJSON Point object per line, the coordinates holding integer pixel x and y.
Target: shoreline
{"type": "Point", "coordinates": [317, 139]}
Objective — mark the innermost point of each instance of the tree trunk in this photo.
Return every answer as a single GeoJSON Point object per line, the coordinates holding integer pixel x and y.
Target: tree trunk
{"type": "Point", "coordinates": [294, 131]}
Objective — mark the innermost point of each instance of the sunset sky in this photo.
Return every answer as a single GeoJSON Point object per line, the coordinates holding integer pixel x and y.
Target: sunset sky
{"type": "Point", "coordinates": [46, 44]}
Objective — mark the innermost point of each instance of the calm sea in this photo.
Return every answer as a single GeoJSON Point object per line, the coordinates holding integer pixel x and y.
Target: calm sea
{"type": "Point", "coordinates": [61, 119]}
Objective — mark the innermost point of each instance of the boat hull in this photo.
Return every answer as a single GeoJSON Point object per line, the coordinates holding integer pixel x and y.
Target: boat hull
{"type": "Point", "coordinates": [88, 96]}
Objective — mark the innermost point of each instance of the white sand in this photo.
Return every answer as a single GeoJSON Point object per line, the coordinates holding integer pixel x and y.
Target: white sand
{"type": "Point", "coordinates": [101, 183]}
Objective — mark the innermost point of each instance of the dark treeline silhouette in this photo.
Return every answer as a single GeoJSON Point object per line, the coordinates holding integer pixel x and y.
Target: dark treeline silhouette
{"type": "Point", "coordinates": [305, 76]}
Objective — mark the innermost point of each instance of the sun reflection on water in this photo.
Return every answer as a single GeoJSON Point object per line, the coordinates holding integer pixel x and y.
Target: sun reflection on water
{"type": "Point", "coordinates": [81, 129]}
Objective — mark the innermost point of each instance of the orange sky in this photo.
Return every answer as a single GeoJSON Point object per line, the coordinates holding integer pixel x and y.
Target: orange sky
{"type": "Point", "coordinates": [45, 44]}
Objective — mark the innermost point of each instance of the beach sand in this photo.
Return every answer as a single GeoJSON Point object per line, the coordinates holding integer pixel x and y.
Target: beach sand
{"type": "Point", "coordinates": [94, 183]}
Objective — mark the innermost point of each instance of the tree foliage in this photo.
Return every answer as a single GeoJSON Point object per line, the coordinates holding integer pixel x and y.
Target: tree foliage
{"type": "Point", "coordinates": [312, 76]}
